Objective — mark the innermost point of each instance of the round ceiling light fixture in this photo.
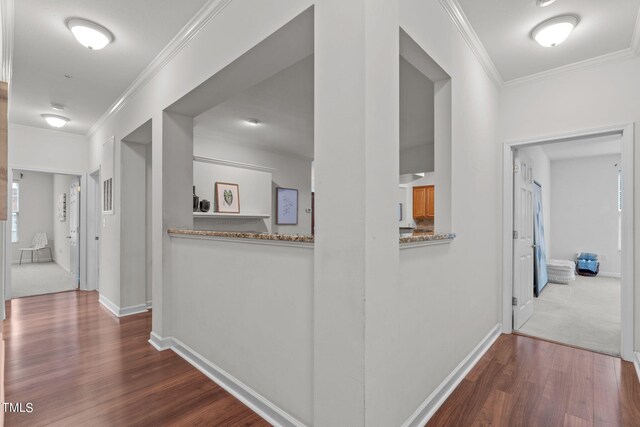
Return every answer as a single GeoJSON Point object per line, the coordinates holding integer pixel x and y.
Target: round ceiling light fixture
{"type": "Point", "coordinates": [89, 34]}
{"type": "Point", "coordinates": [554, 31]}
{"type": "Point", "coordinates": [253, 122]}
{"type": "Point", "coordinates": [543, 3]}
{"type": "Point", "coordinates": [55, 121]}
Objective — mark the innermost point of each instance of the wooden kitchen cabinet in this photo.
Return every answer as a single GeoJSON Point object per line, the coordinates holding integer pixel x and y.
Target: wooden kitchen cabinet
{"type": "Point", "coordinates": [423, 202]}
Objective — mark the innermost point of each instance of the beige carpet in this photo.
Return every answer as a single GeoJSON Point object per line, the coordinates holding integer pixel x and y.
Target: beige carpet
{"type": "Point", "coordinates": [38, 279]}
{"type": "Point", "coordinates": [585, 313]}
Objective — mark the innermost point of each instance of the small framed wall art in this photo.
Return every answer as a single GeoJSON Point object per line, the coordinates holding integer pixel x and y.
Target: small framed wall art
{"type": "Point", "coordinates": [227, 198]}
{"type": "Point", "coordinates": [286, 206]}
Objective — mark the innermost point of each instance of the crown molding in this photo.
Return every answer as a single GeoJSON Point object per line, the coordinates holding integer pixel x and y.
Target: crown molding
{"type": "Point", "coordinates": [209, 11]}
{"type": "Point", "coordinates": [456, 13]}
{"type": "Point", "coordinates": [6, 10]}
{"type": "Point", "coordinates": [620, 55]}
{"type": "Point", "coordinates": [635, 39]}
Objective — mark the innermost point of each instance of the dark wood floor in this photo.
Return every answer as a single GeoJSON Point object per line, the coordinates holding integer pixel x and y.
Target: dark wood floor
{"type": "Point", "coordinates": [79, 365]}
{"type": "Point", "coordinates": [523, 381]}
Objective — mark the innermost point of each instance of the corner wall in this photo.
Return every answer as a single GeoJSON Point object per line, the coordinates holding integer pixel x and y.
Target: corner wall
{"type": "Point", "coordinates": [602, 96]}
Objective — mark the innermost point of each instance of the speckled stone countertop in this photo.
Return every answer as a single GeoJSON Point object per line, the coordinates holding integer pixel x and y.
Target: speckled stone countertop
{"type": "Point", "coordinates": [427, 237]}
{"type": "Point", "coordinates": [241, 235]}
{"type": "Point", "coordinates": [297, 237]}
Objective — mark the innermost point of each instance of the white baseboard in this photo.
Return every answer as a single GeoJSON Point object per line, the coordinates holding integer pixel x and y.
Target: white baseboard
{"type": "Point", "coordinates": [258, 403]}
{"type": "Point", "coordinates": [148, 305]}
{"type": "Point", "coordinates": [121, 312]}
{"type": "Point", "coordinates": [442, 392]}
{"type": "Point", "coordinates": [636, 363]}
{"type": "Point", "coordinates": [606, 274]}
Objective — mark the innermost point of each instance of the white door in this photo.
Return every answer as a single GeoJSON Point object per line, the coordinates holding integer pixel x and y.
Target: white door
{"type": "Point", "coordinates": [74, 230]}
{"type": "Point", "coordinates": [522, 240]}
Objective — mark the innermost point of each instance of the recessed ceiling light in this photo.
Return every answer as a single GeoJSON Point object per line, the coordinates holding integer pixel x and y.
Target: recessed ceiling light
{"type": "Point", "coordinates": [543, 3]}
{"type": "Point", "coordinates": [57, 107]}
{"type": "Point", "coordinates": [89, 34]}
{"type": "Point", "coordinates": [554, 31]}
{"type": "Point", "coordinates": [55, 121]}
{"type": "Point", "coordinates": [253, 122]}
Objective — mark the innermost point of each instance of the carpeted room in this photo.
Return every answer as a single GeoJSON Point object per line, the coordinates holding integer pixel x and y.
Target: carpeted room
{"type": "Point", "coordinates": [580, 186]}
{"type": "Point", "coordinates": [44, 232]}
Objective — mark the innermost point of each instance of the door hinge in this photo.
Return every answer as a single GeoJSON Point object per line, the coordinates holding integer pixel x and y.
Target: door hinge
{"type": "Point", "coordinates": [514, 301]}
{"type": "Point", "coordinates": [515, 234]}
{"type": "Point", "coordinates": [515, 168]}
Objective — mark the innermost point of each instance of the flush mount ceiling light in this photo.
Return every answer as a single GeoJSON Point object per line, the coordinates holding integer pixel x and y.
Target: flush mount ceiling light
{"type": "Point", "coordinates": [554, 31]}
{"type": "Point", "coordinates": [55, 121]}
{"type": "Point", "coordinates": [89, 34]}
{"type": "Point", "coordinates": [543, 3]}
{"type": "Point", "coordinates": [253, 122]}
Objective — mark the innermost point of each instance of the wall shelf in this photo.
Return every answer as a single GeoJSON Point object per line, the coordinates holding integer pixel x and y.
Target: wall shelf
{"type": "Point", "coordinates": [228, 215]}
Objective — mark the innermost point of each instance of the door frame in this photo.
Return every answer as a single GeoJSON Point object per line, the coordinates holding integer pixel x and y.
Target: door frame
{"type": "Point", "coordinates": [627, 270]}
{"type": "Point", "coordinates": [93, 227]}
{"type": "Point", "coordinates": [83, 227]}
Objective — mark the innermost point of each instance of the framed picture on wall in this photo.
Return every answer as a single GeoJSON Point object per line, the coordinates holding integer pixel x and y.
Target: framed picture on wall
{"type": "Point", "coordinates": [286, 206]}
{"type": "Point", "coordinates": [227, 198]}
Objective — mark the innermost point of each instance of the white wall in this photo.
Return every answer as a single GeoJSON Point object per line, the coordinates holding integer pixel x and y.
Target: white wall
{"type": "Point", "coordinates": [588, 98]}
{"type": "Point", "coordinates": [61, 245]}
{"type": "Point", "coordinates": [584, 209]}
{"type": "Point", "coordinates": [289, 171]}
{"type": "Point", "coordinates": [542, 174]}
{"type": "Point", "coordinates": [43, 149]}
{"type": "Point", "coordinates": [255, 323]}
{"type": "Point", "coordinates": [36, 206]}
{"type": "Point", "coordinates": [407, 352]}
{"type": "Point", "coordinates": [417, 159]}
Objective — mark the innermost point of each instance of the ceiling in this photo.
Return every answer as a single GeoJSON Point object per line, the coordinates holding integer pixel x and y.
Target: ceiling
{"type": "Point", "coordinates": [45, 52]}
{"type": "Point", "coordinates": [284, 105]}
{"type": "Point", "coordinates": [592, 147]}
{"type": "Point", "coordinates": [504, 28]}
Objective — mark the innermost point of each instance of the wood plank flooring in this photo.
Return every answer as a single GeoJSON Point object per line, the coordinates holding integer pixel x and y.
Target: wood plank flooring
{"type": "Point", "coordinates": [523, 381]}
{"type": "Point", "coordinates": [79, 365]}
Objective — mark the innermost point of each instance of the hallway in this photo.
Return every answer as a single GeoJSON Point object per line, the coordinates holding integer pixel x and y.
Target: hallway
{"type": "Point", "coordinates": [79, 365]}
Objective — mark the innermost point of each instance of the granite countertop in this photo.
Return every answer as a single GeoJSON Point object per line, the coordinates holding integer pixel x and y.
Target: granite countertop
{"type": "Point", "coordinates": [242, 235]}
{"type": "Point", "coordinates": [295, 237]}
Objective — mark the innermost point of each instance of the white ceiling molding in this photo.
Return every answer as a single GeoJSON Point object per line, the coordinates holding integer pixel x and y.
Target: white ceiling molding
{"type": "Point", "coordinates": [6, 10]}
{"type": "Point", "coordinates": [635, 40]}
{"type": "Point", "coordinates": [184, 36]}
{"type": "Point", "coordinates": [454, 10]}
{"type": "Point", "coordinates": [587, 63]}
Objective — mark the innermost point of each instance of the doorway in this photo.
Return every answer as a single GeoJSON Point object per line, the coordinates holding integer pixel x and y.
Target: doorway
{"type": "Point", "coordinates": [574, 309]}
{"type": "Point", "coordinates": [45, 233]}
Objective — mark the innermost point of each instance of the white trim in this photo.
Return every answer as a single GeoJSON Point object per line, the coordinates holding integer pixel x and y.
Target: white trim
{"type": "Point", "coordinates": [233, 164]}
{"type": "Point", "coordinates": [121, 312]}
{"type": "Point", "coordinates": [609, 274]}
{"type": "Point", "coordinates": [429, 407]}
{"type": "Point", "coordinates": [461, 21]}
{"type": "Point", "coordinates": [149, 305]}
{"type": "Point", "coordinates": [251, 398]}
{"type": "Point", "coordinates": [636, 363]}
{"type": "Point", "coordinates": [209, 11]}
{"type": "Point", "coordinates": [457, 15]}
{"type": "Point", "coordinates": [627, 285]}
{"type": "Point", "coordinates": [304, 245]}
{"type": "Point", "coordinates": [160, 344]}
{"type": "Point", "coordinates": [620, 55]}
{"type": "Point", "coordinates": [7, 12]}
{"type": "Point", "coordinates": [109, 305]}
